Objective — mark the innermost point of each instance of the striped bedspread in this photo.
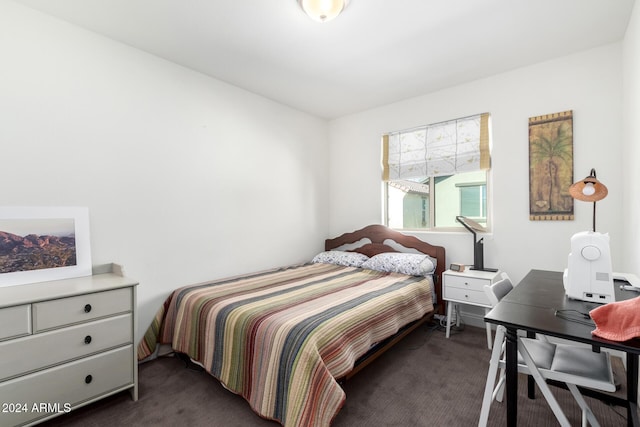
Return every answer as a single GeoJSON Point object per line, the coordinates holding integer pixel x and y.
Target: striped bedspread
{"type": "Point", "coordinates": [280, 338]}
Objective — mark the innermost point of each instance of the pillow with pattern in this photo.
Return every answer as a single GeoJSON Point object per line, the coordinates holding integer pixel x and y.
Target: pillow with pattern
{"type": "Point", "coordinates": [396, 262]}
{"type": "Point", "coordinates": [347, 259]}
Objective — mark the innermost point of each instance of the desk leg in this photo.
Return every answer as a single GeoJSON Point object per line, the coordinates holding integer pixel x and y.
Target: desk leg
{"type": "Point", "coordinates": [632, 389]}
{"type": "Point", "coordinates": [512, 377]}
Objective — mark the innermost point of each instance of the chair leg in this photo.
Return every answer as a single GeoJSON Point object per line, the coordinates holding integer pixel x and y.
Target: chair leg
{"type": "Point", "coordinates": [494, 363]}
{"type": "Point", "coordinates": [587, 414]}
{"type": "Point", "coordinates": [542, 385]}
{"type": "Point", "coordinates": [488, 326]}
{"type": "Point", "coordinates": [498, 393]}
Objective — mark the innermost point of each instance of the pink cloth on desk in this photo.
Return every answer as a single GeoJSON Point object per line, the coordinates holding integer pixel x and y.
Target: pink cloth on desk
{"type": "Point", "coordinates": [617, 321]}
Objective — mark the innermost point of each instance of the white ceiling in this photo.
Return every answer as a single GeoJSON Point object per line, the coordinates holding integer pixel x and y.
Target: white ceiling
{"type": "Point", "coordinates": [375, 53]}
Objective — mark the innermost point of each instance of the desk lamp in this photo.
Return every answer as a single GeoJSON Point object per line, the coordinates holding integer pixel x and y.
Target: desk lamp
{"type": "Point", "coordinates": [589, 190]}
{"type": "Point", "coordinates": [478, 245]}
{"type": "Point", "coordinates": [589, 276]}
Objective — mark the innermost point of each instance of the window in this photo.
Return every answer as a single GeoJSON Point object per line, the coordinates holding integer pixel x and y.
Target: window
{"type": "Point", "coordinates": [436, 172]}
{"type": "Point", "coordinates": [473, 201]}
{"type": "Point", "coordinates": [408, 204]}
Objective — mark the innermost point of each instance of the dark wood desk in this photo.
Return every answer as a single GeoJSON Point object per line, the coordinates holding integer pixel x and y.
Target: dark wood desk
{"type": "Point", "coordinates": [531, 307]}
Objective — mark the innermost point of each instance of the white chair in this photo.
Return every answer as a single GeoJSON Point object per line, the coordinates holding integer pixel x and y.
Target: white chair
{"type": "Point", "coordinates": [498, 290]}
{"type": "Point", "coordinates": [572, 365]}
{"type": "Point", "coordinates": [495, 292]}
{"type": "Point", "coordinates": [503, 288]}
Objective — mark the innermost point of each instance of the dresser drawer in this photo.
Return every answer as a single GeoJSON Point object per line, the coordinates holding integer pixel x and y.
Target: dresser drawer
{"type": "Point", "coordinates": [66, 385]}
{"type": "Point", "coordinates": [67, 311]}
{"type": "Point", "coordinates": [60, 345]}
{"type": "Point", "coordinates": [472, 283]}
{"type": "Point", "coordinates": [468, 296]}
{"type": "Point", "coordinates": [15, 321]}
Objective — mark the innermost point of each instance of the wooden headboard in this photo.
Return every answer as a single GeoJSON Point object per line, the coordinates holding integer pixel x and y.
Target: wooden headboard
{"type": "Point", "coordinates": [377, 235]}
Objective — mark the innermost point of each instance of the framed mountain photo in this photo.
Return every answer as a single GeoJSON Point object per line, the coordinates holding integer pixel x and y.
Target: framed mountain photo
{"type": "Point", "coordinates": [43, 243]}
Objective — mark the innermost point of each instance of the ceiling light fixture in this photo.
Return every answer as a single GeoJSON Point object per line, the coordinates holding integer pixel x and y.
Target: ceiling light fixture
{"type": "Point", "coordinates": [323, 10]}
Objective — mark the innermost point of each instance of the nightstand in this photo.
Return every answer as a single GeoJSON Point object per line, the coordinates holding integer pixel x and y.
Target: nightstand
{"type": "Point", "coordinates": [467, 288]}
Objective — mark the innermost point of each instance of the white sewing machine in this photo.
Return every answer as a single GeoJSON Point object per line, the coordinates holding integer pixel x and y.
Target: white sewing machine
{"type": "Point", "coordinates": [632, 280]}
{"type": "Point", "coordinates": [589, 276]}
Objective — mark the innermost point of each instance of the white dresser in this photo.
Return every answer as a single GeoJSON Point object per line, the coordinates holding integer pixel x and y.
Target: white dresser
{"type": "Point", "coordinates": [467, 287]}
{"type": "Point", "coordinates": [66, 343]}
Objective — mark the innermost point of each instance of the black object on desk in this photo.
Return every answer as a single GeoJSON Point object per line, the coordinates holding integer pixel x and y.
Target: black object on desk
{"type": "Point", "coordinates": [539, 305]}
{"type": "Point", "coordinates": [478, 245]}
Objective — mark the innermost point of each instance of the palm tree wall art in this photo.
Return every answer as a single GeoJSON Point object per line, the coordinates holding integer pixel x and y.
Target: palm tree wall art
{"type": "Point", "coordinates": [551, 166]}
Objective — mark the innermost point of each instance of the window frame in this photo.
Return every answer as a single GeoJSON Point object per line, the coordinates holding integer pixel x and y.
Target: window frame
{"type": "Point", "coordinates": [433, 229]}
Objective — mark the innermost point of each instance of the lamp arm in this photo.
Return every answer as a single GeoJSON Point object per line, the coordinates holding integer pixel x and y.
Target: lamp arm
{"type": "Point", "coordinates": [460, 219]}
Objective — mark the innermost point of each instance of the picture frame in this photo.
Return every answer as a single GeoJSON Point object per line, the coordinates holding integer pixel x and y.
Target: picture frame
{"type": "Point", "coordinates": [43, 243]}
{"type": "Point", "coordinates": [551, 166]}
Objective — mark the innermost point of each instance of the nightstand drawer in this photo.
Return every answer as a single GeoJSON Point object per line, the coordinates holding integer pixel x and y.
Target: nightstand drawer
{"type": "Point", "coordinates": [471, 283]}
{"type": "Point", "coordinates": [15, 321]}
{"type": "Point", "coordinates": [67, 311]}
{"type": "Point", "coordinates": [468, 296]}
{"type": "Point", "coordinates": [61, 345]}
{"type": "Point", "coordinates": [62, 387]}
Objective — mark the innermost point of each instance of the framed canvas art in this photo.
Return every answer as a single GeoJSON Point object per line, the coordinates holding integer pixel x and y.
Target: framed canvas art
{"type": "Point", "coordinates": [551, 166]}
{"type": "Point", "coordinates": [43, 243]}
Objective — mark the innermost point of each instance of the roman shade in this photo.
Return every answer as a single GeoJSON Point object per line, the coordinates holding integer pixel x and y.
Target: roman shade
{"type": "Point", "coordinates": [440, 149]}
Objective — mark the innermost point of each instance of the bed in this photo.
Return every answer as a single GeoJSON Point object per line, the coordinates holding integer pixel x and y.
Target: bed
{"type": "Point", "coordinates": [286, 338]}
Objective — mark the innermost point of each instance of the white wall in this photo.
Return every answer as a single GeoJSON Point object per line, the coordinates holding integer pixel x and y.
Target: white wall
{"type": "Point", "coordinates": [631, 146]}
{"type": "Point", "coordinates": [589, 83]}
{"type": "Point", "coordinates": [147, 146]}
{"type": "Point", "coordinates": [186, 178]}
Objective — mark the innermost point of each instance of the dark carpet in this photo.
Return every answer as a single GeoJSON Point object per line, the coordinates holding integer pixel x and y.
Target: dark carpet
{"type": "Point", "coordinates": [425, 380]}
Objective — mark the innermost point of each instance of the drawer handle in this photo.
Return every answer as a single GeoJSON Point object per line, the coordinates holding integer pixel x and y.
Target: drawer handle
{"type": "Point", "coordinates": [87, 339]}
{"type": "Point", "coordinates": [87, 308]}
{"type": "Point", "coordinates": [88, 379]}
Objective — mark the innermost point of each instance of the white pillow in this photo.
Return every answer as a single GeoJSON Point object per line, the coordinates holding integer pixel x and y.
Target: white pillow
{"type": "Point", "coordinates": [347, 259]}
{"type": "Point", "coordinates": [396, 262]}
